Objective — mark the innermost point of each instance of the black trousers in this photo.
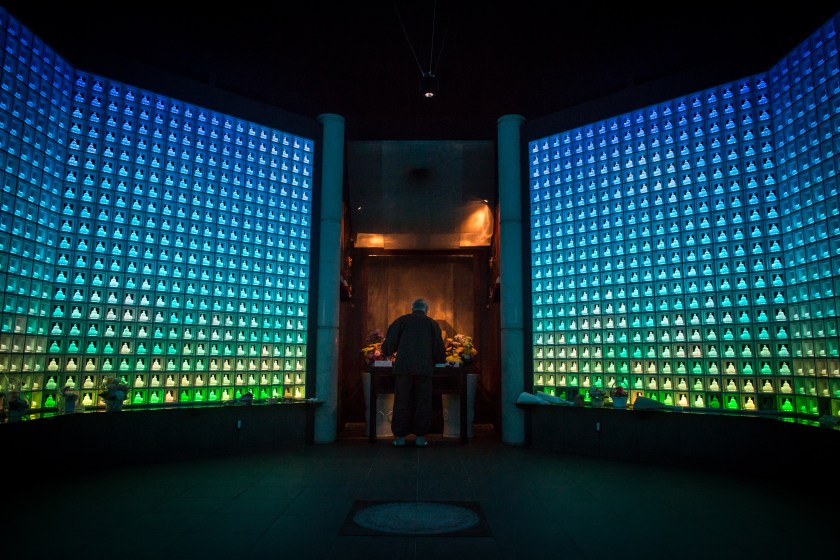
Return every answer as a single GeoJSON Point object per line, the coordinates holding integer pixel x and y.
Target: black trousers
{"type": "Point", "coordinates": [412, 405]}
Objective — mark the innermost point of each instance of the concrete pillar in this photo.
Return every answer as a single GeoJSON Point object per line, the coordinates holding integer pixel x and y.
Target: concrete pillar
{"type": "Point", "coordinates": [510, 265]}
{"type": "Point", "coordinates": [329, 269]}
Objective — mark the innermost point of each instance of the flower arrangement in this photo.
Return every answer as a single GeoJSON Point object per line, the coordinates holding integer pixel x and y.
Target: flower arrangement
{"type": "Point", "coordinates": [597, 394]}
{"type": "Point", "coordinates": [372, 348]}
{"type": "Point", "coordinates": [17, 405]}
{"type": "Point", "coordinates": [113, 391]}
{"type": "Point", "coordinates": [460, 349]}
{"type": "Point", "coordinates": [618, 391]}
{"type": "Point", "coordinates": [70, 396]}
{"type": "Point", "coordinates": [16, 402]}
{"type": "Point", "coordinates": [619, 396]}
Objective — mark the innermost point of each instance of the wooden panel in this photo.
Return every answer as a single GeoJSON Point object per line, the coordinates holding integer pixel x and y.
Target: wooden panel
{"type": "Point", "coordinates": [446, 283]}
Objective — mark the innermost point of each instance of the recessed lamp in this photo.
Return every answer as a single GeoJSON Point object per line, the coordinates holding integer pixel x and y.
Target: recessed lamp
{"type": "Point", "coordinates": [428, 85]}
{"type": "Point", "coordinates": [428, 79]}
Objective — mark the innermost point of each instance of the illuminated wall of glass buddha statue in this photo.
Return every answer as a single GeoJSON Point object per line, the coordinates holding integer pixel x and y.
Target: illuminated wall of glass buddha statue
{"type": "Point", "coordinates": [690, 250]}
{"type": "Point", "coordinates": [146, 238]}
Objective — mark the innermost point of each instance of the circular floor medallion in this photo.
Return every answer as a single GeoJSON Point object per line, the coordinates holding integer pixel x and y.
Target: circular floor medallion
{"type": "Point", "coordinates": [417, 518]}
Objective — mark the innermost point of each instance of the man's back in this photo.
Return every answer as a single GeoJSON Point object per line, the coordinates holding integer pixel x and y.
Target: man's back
{"type": "Point", "coordinates": [418, 343]}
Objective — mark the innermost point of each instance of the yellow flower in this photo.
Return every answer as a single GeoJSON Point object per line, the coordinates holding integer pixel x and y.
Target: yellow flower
{"type": "Point", "coordinates": [372, 350]}
{"type": "Point", "coordinates": [460, 347]}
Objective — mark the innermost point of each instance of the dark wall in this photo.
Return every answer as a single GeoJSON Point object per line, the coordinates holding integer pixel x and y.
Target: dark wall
{"type": "Point", "coordinates": [131, 437]}
{"type": "Point", "coordinates": [754, 444]}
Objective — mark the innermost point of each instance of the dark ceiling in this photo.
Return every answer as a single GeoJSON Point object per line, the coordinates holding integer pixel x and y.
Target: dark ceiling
{"type": "Point", "coordinates": [363, 60]}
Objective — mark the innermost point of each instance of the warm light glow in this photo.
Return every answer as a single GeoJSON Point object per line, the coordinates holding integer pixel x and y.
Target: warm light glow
{"type": "Point", "coordinates": [477, 227]}
{"type": "Point", "coordinates": [474, 230]}
{"type": "Point", "coordinates": [428, 85]}
{"type": "Point", "coordinates": [370, 240]}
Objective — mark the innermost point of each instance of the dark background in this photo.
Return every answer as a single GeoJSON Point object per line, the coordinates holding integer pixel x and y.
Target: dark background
{"type": "Point", "coordinates": [363, 60]}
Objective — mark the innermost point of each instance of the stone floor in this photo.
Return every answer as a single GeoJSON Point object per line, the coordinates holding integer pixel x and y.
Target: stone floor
{"type": "Point", "coordinates": [294, 504]}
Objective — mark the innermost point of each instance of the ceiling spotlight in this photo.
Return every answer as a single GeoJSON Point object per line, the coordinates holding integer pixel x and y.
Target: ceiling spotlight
{"type": "Point", "coordinates": [428, 84]}
{"type": "Point", "coordinates": [428, 79]}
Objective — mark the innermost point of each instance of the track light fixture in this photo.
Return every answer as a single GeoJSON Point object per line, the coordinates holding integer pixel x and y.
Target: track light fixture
{"type": "Point", "coordinates": [428, 84]}
{"type": "Point", "coordinates": [428, 77]}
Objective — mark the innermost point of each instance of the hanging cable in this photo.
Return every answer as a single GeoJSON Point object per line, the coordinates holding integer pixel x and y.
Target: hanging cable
{"type": "Point", "coordinates": [432, 47]}
{"type": "Point", "coordinates": [442, 44]}
{"type": "Point", "coordinates": [428, 78]}
{"type": "Point", "coordinates": [408, 39]}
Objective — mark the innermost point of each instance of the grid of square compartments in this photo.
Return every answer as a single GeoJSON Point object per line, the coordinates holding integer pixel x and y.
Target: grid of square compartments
{"type": "Point", "coordinates": [690, 250]}
{"type": "Point", "coordinates": [146, 238]}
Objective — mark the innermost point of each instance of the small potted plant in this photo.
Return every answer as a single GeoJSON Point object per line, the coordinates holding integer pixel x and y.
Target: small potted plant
{"type": "Point", "coordinates": [18, 407]}
{"type": "Point", "coordinates": [596, 394]}
{"type": "Point", "coordinates": [619, 397]}
{"type": "Point", "coordinates": [69, 396]}
{"type": "Point", "coordinates": [113, 391]}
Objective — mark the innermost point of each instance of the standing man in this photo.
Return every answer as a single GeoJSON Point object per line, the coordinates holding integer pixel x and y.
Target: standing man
{"type": "Point", "coordinates": [418, 343]}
